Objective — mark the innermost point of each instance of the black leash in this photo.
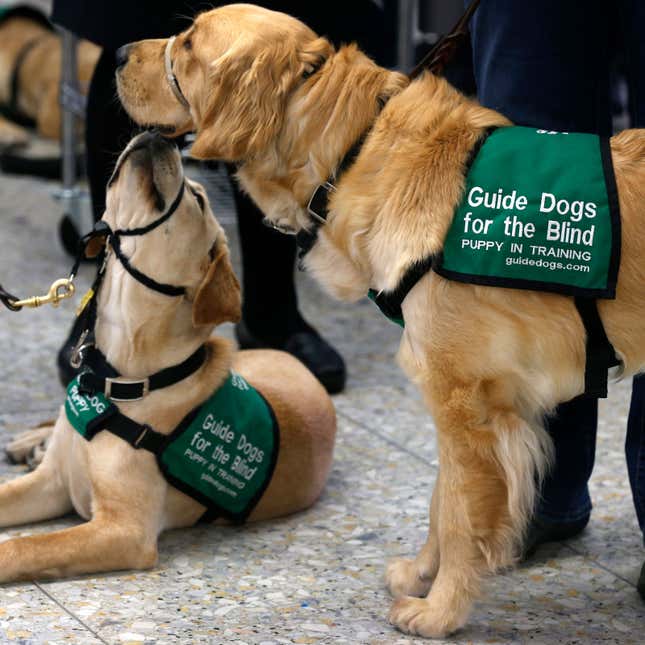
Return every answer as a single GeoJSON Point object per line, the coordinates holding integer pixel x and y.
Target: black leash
{"type": "Point", "coordinates": [446, 47]}
{"type": "Point", "coordinates": [64, 288]}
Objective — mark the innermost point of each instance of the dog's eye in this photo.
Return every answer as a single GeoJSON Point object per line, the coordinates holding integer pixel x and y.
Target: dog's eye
{"type": "Point", "coordinates": [188, 45]}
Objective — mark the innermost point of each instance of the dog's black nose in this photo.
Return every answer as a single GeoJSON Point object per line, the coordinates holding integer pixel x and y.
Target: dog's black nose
{"type": "Point", "coordinates": [122, 54]}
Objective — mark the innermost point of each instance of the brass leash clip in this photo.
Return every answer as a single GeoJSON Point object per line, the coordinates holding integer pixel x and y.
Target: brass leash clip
{"type": "Point", "coordinates": [60, 290]}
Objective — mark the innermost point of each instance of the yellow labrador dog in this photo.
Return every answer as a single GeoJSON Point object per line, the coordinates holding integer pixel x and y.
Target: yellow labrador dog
{"type": "Point", "coordinates": [118, 487]}
{"type": "Point", "coordinates": [262, 90]}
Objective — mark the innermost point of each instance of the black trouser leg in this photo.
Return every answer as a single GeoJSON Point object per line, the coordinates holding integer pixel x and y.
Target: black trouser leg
{"type": "Point", "coordinates": [107, 130]}
{"type": "Point", "coordinates": [270, 308]}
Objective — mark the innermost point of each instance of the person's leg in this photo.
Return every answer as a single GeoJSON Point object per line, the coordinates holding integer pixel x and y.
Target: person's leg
{"type": "Point", "coordinates": [107, 130]}
{"type": "Point", "coordinates": [270, 310]}
{"type": "Point", "coordinates": [545, 64]}
{"type": "Point", "coordinates": [633, 14]}
{"type": "Point", "coordinates": [635, 448]}
{"type": "Point", "coordinates": [270, 305]}
{"type": "Point", "coordinates": [635, 453]}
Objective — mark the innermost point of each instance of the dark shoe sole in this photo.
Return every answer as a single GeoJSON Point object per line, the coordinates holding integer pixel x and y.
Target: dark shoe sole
{"type": "Point", "coordinates": [333, 380]}
{"type": "Point", "coordinates": [540, 533]}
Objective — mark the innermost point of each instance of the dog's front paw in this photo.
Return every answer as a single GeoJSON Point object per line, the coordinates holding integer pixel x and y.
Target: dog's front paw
{"type": "Point", "coordinates": [420, 617]}
{"type": "Point", "coordinates": [402, 579]}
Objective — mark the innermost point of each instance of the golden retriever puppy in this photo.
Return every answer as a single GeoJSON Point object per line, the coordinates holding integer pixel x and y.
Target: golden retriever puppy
{"type": "Point", "coordinates": [263, 91]}
{"type": "Point", "coordinates": [118, 486]}
{"type": "Point", "coordinates": [36, 50]}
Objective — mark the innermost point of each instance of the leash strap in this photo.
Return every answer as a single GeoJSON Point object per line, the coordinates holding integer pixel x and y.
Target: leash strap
{"type": "Point", "coordinates": [119, 389]}
{"type": "Point", "coordinates": [446, 47]}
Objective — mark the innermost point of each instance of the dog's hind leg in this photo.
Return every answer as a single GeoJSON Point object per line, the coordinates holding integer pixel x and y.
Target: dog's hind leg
{"type": "Point", "coordinates": [489, 458]}
{"type": "Point", "coordinates": [413, 577]}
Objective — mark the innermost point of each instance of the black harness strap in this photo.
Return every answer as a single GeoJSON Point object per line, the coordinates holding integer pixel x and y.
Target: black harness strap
{"type": "Point", "coordinates": [601, 354]}
{"type": "Point", "coordinates": [138, 435]}
{"type": "Point", "coordinates": [390, 302]}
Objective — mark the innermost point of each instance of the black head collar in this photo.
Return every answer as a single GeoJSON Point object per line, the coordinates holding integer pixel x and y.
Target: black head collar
{"type": "Point", "coordinates": [113, 241]}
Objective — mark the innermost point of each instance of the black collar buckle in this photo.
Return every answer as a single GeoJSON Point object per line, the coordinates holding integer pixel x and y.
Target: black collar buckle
{"type": "Point", "coordinates": [122, 390]}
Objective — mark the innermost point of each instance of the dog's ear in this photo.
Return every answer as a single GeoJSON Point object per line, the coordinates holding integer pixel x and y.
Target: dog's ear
{"type": "Point", "coordinates": [245, 101]}
{"type": "Point", "coordinates": [218, 297]}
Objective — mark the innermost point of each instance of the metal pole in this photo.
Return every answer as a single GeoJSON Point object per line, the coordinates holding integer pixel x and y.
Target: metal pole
{"type": "Point", "coordinates": [69, 84]}
{"type": "Point", "coordinates": [76, 220]}
{"type": "Point", "coordinates": [408, 12]}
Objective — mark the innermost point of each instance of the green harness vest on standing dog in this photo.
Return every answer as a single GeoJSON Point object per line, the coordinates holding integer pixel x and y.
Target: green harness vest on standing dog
{"type": "Point", "coordinates": [539, 211]}
{"type": "Point", "coordinates": [222, 454]}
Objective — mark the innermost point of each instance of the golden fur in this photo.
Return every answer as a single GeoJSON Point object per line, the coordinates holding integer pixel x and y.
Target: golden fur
{"type": "Point", "coordinates": [119, 490]}
{"type": "Point", "coordinates": [39, 78]}
{"type": "Point", "coordinates": [490, 362]}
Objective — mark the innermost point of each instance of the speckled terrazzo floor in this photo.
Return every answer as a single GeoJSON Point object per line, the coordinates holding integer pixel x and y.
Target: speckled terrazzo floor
{"type": "Point", "coordinates": [316, 577]}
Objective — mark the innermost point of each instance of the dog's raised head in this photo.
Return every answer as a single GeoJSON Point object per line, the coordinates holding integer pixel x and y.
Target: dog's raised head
{"type": "Point", "coordinates": [166, 231]}
{"type": "Point", "coordinates": [235, 66]}
{"type": "Point", "coordinates": [262, 90]}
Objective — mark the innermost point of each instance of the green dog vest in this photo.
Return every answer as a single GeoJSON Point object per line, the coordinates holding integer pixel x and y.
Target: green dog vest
{"type": "Point", "coordinates": [222, 454]}
{"type": "Point", "coordinates": [539, 211]}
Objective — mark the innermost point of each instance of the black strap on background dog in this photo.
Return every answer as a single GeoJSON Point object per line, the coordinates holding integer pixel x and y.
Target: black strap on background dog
{"type": "Point", "coordinates": [12, 110]}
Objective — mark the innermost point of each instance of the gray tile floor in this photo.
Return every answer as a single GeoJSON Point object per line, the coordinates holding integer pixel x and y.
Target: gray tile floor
{"type": "Point", "coordinates": [316, 577]}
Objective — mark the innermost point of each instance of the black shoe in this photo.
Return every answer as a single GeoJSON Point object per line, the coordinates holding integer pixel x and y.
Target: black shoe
{"type": "Point", "coordinates": [640, 585]}
{"type": "Point", "coordinates": [541, 532]}
{"type": "Point", "coordinates": [308, 347]}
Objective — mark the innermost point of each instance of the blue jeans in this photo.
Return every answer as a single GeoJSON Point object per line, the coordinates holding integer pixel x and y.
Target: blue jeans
{"type": "Point", "coordinates": [547, 64]}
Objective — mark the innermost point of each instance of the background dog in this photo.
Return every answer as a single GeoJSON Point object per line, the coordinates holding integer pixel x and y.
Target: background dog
{"type": "Point", "coordinates": [27, 42]}
{"type": "Point", "coordinates": [119, 490]}
{"type": "Point", "coordinates": [267, 93]}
